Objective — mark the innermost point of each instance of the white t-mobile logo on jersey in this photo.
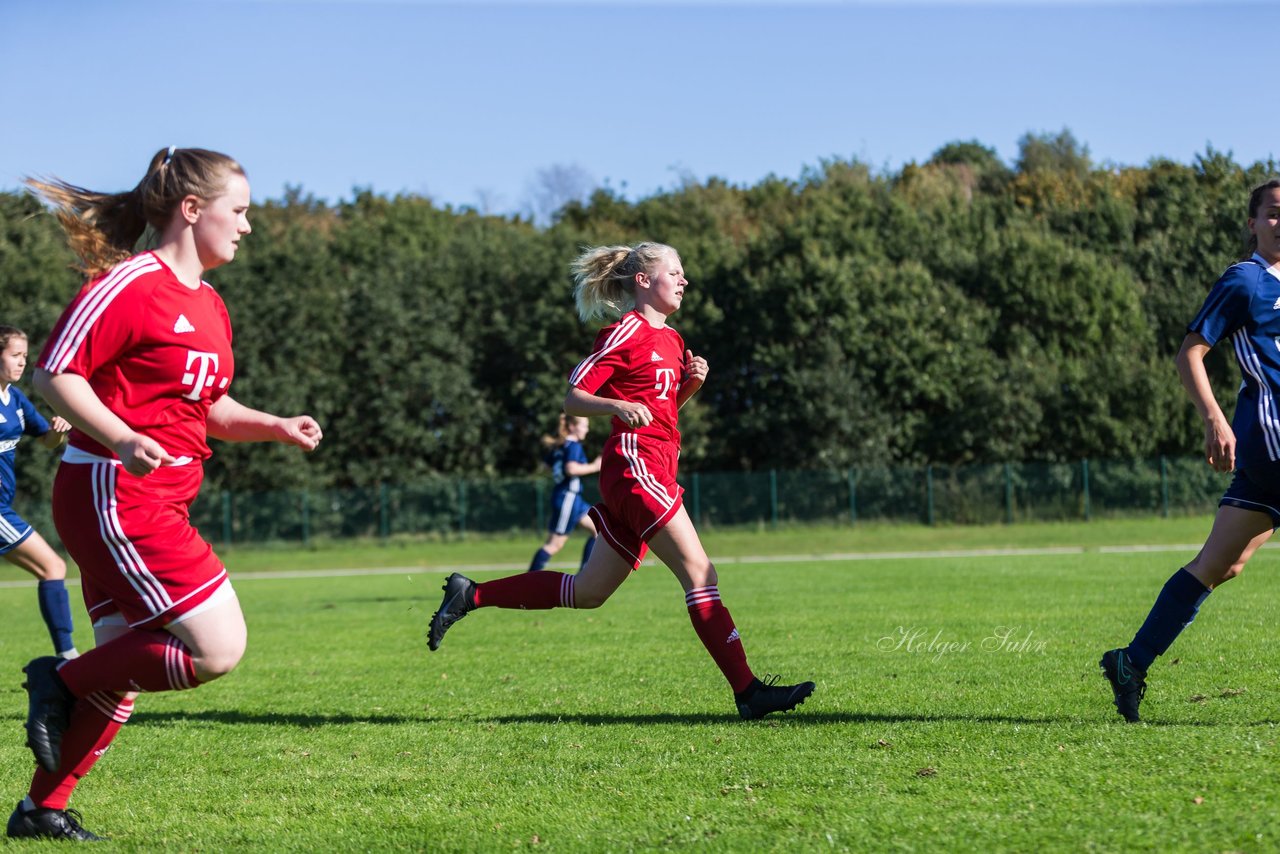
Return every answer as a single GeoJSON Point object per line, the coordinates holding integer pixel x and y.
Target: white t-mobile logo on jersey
{"type": "Point", "coordinates": [666, 377]}
{"type": "Point", "coordinates": [202, 377]}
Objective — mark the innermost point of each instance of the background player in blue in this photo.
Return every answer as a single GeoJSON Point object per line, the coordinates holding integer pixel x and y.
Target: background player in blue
{"type": "Point", "coordinates": [1244, 308]}
{"type": "Point", "coordinates": [19, 543]}
{"type": "Point", "coordinates": [569, 464]}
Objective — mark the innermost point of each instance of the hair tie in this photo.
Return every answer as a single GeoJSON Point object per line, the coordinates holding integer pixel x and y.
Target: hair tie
{"type": "Point", "coordinates": [169, 156]}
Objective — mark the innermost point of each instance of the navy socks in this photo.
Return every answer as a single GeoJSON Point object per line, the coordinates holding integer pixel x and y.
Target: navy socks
{"type": "Point", "coordinates": [1175, 608]}
{"type": "Point", "coordinates": [55, 607]}
{"type": "Point", "coordinates": [586, 550]}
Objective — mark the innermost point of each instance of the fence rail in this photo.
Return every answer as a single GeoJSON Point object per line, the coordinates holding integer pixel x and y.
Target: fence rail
{"type": "Point", "coordinates": [981, 494]}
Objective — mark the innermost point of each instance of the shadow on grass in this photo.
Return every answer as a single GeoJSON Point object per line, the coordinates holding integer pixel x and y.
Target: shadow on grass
{"type": "Point", "coordinates": [234, 717]}
{"type": "Point", "coordinates": [827, 719]}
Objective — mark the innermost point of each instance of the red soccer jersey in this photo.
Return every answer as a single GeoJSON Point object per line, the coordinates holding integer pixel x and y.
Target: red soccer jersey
{"type": "Point", "coordinates": [636, 362]}
{"type": "Point", "coordinates": [157, 353]}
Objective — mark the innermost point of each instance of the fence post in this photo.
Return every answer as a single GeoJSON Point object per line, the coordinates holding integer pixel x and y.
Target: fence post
{"type": "Point", "coordinates": [226, 517]}
{"type": "Point", "coordinates": [462, 506]}
{"type": "Point", "coordinates": [1084, 473]}
{"type": "Point", "coordinates": [773, 496]}
{"type": "Point", "coordinates": [697, 500]}
{"type": "Point", "coordinates": [853, 496]}
{"type": "Point", "coordinates": [306, 519]}
{"type": "Point", "coordinates": [928, 486]}
{"type": "Point", "coordinates": [384, 511]}
{"type": "Point", "coordinates": [1164, 487]}
{"type": "Point", "coordinates": [1008, 495]}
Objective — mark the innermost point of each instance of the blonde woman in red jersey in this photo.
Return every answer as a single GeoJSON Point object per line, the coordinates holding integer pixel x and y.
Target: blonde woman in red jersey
{"type": "Point", "coordinates": [640, 373]}
{"type": "Point", "coordinates": [140, 363]}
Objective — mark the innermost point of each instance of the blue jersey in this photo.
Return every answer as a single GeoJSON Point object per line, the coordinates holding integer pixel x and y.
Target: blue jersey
{"type": "Point", "coordinates": [17, 418]}
{"type": "Point", "coordinates": [1244, 305]}
{"type": "Point", "coordinates": [570, 452]}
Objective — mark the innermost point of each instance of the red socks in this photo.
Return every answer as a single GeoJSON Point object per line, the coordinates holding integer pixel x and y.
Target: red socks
{"type": "Point", "coordinates": [95, 720]}
{"type": "Point", "coordinates": [135, 661]}
{"type": "Point", "coordinates": [532, 591]}
{"type": "Point", "coordinates": [714, 625]}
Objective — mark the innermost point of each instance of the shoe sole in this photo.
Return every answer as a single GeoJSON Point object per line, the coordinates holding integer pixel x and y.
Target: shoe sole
{"type": "Point", "coordinates": [435, 634]}
{"type": "Point", "coordinates": [805, 691]}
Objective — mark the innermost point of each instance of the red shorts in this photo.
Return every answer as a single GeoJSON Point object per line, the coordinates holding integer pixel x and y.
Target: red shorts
{"type": "Point", "coordinates": [133, 541]}
{"type": "Point", "coordinates": [638, 485]}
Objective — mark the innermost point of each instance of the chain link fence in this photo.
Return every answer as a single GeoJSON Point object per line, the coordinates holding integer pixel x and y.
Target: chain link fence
{"type": "Point", "coordinates": [978, 494]}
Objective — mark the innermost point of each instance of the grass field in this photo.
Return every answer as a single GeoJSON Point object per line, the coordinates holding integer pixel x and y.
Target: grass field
{"type": "Point", "coordinates": [959, 706]}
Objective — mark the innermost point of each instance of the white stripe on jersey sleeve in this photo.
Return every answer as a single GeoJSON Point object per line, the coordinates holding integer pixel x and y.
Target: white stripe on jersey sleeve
{"type": "Point", "coordinates": [92, 306]}
{"type": "Point", "coordinates": [626, 328]}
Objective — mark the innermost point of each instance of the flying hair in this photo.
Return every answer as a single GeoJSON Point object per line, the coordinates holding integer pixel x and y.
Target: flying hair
{"type": "Point", "coordinates": [562, 431]}
{"type": "Point", "coordinates": [103, 229]}
{"type": "Point", "coordinates": [605, 278]}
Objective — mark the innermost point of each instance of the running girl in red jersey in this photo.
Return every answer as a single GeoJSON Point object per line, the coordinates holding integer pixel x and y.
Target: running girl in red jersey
{"type": "Point", "coordinates": [640, 373]}
{"type": "Point", "coordinates": [140, 363]}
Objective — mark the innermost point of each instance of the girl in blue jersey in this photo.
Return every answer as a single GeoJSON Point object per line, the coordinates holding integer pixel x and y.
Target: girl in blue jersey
{"type": "Point", "coordinates": [569, 465]}
{"type": "Point", "coordinates": [20, 544]}
{"type": "Point", "coordinates": [1244, 308]}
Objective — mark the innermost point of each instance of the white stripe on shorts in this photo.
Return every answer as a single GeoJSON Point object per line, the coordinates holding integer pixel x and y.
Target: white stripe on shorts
{"type": "Point", "coordinates": [127, 559]}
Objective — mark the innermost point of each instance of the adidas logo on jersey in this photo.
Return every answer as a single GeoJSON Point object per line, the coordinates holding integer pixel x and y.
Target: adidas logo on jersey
{"type": "Point", "coordinates": [733, 636]}
{"type": "Point", "coordinates": [183, 325]}
{"type": "Point", "coordinates": [654, 357]}
{"type": "Point", "coordinates": [1276, 307]}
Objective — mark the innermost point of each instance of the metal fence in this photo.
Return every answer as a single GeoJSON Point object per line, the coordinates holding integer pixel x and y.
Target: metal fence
{"type": "Point", "coordinates": [978, 494]}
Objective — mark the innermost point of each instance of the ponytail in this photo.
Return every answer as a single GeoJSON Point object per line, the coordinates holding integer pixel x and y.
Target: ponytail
{"type": "Point", "coordinates": [103, 229]}
{"type": "Point", "coordinates": [605, 278]}
{"type": "Point", "coordinates": [562, 433]}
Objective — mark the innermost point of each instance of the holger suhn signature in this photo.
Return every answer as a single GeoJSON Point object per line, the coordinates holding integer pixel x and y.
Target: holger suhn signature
{"type": "Point", "coordinates": [1014, 640]}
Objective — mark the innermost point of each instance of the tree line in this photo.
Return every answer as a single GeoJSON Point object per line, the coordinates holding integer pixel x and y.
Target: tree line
{"type": "Point", "coordinates": [960, 310]}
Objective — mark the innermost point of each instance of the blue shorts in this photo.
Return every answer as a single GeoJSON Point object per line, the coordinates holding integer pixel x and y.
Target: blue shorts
{"type": "Point", "coordinates": [1248, 494]}
{"type": "Point", "coordinates": [566, 510]}
{"type": "Point", "coordinates": [13, 529]}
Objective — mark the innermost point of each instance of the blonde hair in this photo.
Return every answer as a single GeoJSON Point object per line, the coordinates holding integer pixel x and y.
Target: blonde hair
{"type": "Point", "coordinates": [103, 229]}
{"type": "Point", "coordinates": [605, 277]}
{"type": "Point", "coordinates": [562, 431]}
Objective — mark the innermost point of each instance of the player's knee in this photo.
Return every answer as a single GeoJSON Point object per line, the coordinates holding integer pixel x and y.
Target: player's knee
{"type": "Point", "coordinates": [54, 569]}
{"type": "Point", "coordinates": [589, 598]}
{"type": "Point", "coordinates": [218, 662]}
{"type": "Point", "coordinates": [552, 548]}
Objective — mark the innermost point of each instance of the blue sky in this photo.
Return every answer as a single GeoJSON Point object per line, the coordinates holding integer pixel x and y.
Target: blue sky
{"type": "Point", "coordinates": [470, 104]}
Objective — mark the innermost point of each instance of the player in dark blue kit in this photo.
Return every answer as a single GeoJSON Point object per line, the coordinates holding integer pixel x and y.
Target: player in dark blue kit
{"type": "Point", "coordinates": [20, 544]}
{"type": "Point", "coordinates": [569, 465]}
{"type": "Point", "coordinates": [1244, 308]}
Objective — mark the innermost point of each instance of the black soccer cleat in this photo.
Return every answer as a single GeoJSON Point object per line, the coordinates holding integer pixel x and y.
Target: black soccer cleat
{"type": "Point", "coordinates": [761, 698]}
{"type": "Point", "coordinates": [41, 823]}
{"type": "Point", "coordinates": [49, 706]}
{"type": "Point", "coordinates": [1128, 683]}
{"type": "Point", "coordinates": [459, 600]}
